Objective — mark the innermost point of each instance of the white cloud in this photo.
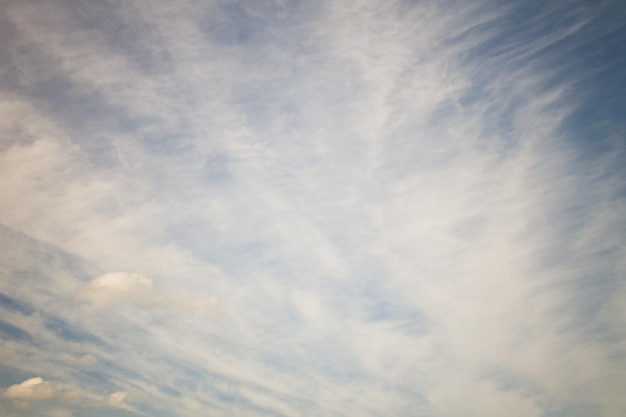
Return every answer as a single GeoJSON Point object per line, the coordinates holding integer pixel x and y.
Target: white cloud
{"type": "Point", "coordinates": [64, 397]}
{"type": "Point", "coordinates": [124, 287]}
{"type": "Point", "coordinates": [31, 389]}
{"type": "Point", "coordinates": [118, 287]}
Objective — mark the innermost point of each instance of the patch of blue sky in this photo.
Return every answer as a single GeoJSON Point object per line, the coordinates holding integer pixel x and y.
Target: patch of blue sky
{"type": "Point", "coordinates": [571, 58]}
{"type": "Point", "coordinates": [407, 320]}
{"type": "Point", "coordinates": [596, 124]}
{"type": "Point", "coordinates": [109, 374]}
{"type": "Point", "coordinates": [587, 293]}
{"type": "Point", "coordinates": [15, 305]}
{"type": "Point", "coordinates": [568, 225]}
{"type": "Point", "coordinates": [509, 381]}
{"type": "Point", "coordinates": [169, 391]}
{"type": "Point", "coordinates": [244, 405]}
{"type": "Point", "coordinates": [528, 31]}
{"type": "Point", "coordinates": [82, 110]}
{"type": "Point", "coordinates": [12, 374]}
{"type": "Point", "coordinates": [12, 332]}
{"type": "Point", "coordinates": [72, 104]}
{"type": "Point", "coordinates": [124, 30]}
{"type": "Point", "coordinates": [530, 36]}
{"type": "Point", "coordinates": [72, 333]}
{"type": "Point", "coordinates": [188, 375]}
{"type": "Point", "coordinates": [380, 303]}
{"type": "Point", "coordinates": [259, 25]}
{"type": "Point", "coordinates": [104, 377]}
{"type": "Point", "coordinates": [217, 168]}
{"type": "Point", "coordinates": [236, 24]}
{"type": "Point", "coordinates": [267, 106]}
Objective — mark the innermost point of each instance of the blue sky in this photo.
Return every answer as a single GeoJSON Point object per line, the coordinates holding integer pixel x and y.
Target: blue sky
{"type": "Point", "coordinates": [298, 208]}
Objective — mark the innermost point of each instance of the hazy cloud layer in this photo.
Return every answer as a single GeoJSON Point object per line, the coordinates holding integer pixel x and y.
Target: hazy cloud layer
{"type": "Point", "coordinates": [409, 208]}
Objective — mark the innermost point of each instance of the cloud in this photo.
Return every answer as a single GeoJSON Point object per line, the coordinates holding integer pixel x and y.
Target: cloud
{"type": "Point", "coordinates": [37, 390]}
{"type": "Point", "coordinates": [119, 287]}
{"type": "Point", "coordinates": [117, 399]}
{"type": "Point", "coordinates": [31, 389]}
{"type": "Point", "coordinates": [123, 287]}
{"type": "Point", "coordinates": [387, 196]}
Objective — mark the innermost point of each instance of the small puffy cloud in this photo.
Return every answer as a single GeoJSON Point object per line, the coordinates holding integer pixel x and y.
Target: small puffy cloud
{"type": "Point", "coordinates": [119, 287]}
{"type": "Point", "coordinates": [134, 289]}
{"type": "Point", "coordinates": [36, 389]}
{"type": "Point", "coordinates": [31, 389]}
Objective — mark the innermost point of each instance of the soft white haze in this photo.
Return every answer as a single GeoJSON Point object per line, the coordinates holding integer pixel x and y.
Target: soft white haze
{"type": "Point", "coordinates": [312, 208]}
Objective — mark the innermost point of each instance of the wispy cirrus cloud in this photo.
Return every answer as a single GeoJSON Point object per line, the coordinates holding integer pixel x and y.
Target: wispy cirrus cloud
{"type": "Point", "coordinates": [393, 202]}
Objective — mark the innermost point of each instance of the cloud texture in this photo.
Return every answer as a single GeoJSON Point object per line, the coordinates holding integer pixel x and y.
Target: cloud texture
{"type": "Point", "coordinates": [409, 208]}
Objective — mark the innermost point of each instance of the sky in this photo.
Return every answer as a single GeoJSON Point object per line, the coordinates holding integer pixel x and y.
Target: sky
{"type": "Point", "coordinates": [327, 208]}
